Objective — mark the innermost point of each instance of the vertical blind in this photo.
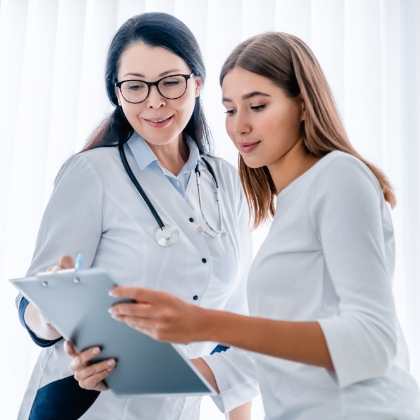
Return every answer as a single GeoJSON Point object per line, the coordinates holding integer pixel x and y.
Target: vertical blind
{"type": "Point", "coordinates": [52, 94]}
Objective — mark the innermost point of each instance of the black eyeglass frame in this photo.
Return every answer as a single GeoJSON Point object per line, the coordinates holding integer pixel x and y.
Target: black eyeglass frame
{"type": "Point", "coordinates": [150, 84]}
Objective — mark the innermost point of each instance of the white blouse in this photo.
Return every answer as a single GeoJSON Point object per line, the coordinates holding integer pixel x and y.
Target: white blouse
{"type": "Point", "coordinates": [329, 257]}
{"type": "Point", "coordinates": [96, 210]}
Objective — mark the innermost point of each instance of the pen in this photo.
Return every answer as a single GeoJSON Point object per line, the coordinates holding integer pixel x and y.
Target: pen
{"type": "Point", "coordinates": [79, 262]}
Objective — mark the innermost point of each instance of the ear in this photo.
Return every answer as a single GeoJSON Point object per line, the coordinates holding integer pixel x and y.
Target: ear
{"type": "Point", "coordinates": [198, 85]}
{"type": "Point", "coordinates": [118, 93]}
{"type": "Point", "coordinates": [302, 105]}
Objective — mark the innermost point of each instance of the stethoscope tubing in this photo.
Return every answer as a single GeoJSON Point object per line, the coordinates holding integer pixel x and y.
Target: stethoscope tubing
{"type": "Point", "coordinates": [138, 186]}
{"type": "Point", "coordinates": [213, 232]}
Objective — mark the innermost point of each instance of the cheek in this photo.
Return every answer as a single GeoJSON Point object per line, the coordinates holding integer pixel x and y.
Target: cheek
{"type": "Point", "coordinates": [284, 126]}
{"type": "Point", "coordinates": [186, 103]}
{"type": "Point", "coordinates": [132, 113]}
{"type": "Point", "coordinates": [228, 125]}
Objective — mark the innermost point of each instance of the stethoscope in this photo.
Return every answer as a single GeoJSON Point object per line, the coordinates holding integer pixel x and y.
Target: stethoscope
{"type": "Point", "coordinates": [167, 235]}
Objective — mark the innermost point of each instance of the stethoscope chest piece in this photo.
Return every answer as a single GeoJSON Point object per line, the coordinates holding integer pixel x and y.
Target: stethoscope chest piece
{"type": "Point", "coordinates": [167, 236]}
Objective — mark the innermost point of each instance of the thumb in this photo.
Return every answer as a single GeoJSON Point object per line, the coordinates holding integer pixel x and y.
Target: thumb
{"type": "Point", "coordinates": [70, 350]}
{"type": "Point", "coordinates": [66, 261]}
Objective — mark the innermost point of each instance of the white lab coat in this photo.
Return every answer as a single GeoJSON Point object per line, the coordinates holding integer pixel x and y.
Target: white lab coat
{"type": "Point", "coordinates": [96, 210]}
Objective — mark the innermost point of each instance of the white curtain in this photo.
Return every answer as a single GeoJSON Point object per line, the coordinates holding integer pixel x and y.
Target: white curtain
{"type": "Point", "coordinates": [52, 96]}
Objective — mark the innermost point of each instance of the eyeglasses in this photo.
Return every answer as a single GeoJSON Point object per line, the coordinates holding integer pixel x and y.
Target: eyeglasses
{"type": "Point", "coordinates": [170, 87]}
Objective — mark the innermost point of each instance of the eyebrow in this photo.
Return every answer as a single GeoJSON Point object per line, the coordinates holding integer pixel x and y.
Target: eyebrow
{"type": "Point", "coordinates": [160, 75]}
{"type": "Point", "coordinates": [248, 96]}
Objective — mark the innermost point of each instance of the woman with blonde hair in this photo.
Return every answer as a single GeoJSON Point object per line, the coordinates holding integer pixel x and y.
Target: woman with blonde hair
{"type": "Point", "coordinates": [323, 329]}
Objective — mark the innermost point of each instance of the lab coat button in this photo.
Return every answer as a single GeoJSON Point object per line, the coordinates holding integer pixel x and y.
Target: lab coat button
{"type": "Point", "coordinates": [204, 260]}
{"type": "Point", "coordinates": [195, 297]}
{"type": "Point", "coordinates": [191, 219]}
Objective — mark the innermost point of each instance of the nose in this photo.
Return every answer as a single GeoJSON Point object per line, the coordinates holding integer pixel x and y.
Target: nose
{"type": "Point", "coordinates": [240, 125]}
{"type": "Point", "coordinates": [155, 99]}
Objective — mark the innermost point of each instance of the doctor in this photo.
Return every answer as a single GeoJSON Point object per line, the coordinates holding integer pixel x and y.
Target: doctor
{"type": "Point", "coordinates": [323, 329]}
{"type": "Point", "coordinates": [139, 201]}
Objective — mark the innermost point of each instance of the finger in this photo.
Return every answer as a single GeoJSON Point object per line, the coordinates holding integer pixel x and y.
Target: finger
{"type": "Point", "coordinates": [140, 310]}
{"type": "Point", "coordinates": [83, 358]}
{"type": "Point", "coordinates": [66, 261]}
{"type": "Point", "coordinates": [54, 268]}
{"type": "Point", "coordinates": [139, 324]}
{"type": "Point", "coordinates": [96, 381]}
{"type": "Point", "coordinates": [94, 369]}
{"type": "Point", "coordinates": [139, 294]}
{"type": "Point", "coordinates": [70, 350]}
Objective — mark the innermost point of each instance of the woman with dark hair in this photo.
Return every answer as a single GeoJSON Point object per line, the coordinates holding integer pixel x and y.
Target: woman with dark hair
{"type": "Point", "coordinates": [323, 328]}
{"type": "Point", "coordinates": [128, 203]}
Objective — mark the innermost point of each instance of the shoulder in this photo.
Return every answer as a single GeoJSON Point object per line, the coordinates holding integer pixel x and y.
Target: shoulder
{"type": "Point", "coordinates": [226, 173]}
{"type": "Point", "coordinates": [100, 156]}
{"type": "Point", "coordinates": [91, 164]}
{"type": "Point", "coordinates": [345, 179]}
{"type": "Point", "coordinates": [222, 166]}
{"type": "Point", "coordinates": [340, 168]}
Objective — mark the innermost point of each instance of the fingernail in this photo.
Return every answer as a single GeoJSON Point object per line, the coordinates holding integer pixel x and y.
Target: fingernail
{"type": "Point", "coordinates": [111, 363]}
{"type": "Point", "coordinates": [96, 350]}
{"type": "Point", "coordinates": [111, 293]}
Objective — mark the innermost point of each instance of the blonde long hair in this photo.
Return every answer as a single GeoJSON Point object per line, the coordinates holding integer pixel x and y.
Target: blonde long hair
{"type": "Point", "coordinates": [290, 64]}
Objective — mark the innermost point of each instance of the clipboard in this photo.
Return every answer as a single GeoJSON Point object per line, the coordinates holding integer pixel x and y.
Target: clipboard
{"type": "Point", "coordinates": [77, 302]}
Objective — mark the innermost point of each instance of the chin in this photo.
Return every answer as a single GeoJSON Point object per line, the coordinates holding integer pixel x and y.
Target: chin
{"type": "Point", "coordinates": [158, 136]}
{"type": "Point", "coordinates": [253, 163]}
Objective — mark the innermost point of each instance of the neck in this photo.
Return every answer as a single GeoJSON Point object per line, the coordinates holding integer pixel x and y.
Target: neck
{"type": "Point", "coordinates": [172, 156]}
{"type": "Point", "coordinates": [291, 166]}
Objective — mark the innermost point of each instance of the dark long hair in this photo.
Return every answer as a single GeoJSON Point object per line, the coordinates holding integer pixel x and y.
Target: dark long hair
{"type": "Point", "coordinates": [156, 30]}
{"type": "Point", "coordinates": [291, 65]}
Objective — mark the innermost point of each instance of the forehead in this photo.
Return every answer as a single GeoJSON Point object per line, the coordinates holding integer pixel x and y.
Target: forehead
{"type": "Point", "coordinates": [239, 81]}
{"type": "Point", "coordinates": [149, 61]}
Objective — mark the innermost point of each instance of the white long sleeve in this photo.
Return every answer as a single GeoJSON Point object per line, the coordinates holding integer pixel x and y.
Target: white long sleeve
{"type": "Point", "coordinates": [234, 369]}
{"type": "Point", "coordinates": [347, 213]}
{"type": "Point", "coordinates": [74, 213]}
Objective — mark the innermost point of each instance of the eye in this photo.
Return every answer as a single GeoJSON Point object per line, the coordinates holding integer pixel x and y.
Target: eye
{"type": "Point", "coordinates": [230, 111]}
{"type": "Point", "coordinates": [171, 83]}
{"type": "Point", "coordinates": [134, 86]}
{"type": "Point", "coordinates": [258, 107]}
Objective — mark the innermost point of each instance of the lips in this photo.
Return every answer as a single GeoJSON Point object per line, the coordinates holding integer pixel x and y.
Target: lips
{"type": "Point", "coordinates": [159, 122]}
{"type": "Point", "coordinates": [248, 147]}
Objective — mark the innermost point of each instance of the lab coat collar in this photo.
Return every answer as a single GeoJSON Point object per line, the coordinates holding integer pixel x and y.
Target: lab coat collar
{"type": "Point", "coordinates": [144, 155]}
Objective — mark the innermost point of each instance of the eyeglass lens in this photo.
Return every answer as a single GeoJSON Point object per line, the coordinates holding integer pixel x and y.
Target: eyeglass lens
{"type": "Point", "coordinates": [171, 87]}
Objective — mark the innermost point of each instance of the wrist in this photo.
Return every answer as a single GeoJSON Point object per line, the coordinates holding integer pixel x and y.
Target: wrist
{"type": "Point", "coordinates": [212, 324]}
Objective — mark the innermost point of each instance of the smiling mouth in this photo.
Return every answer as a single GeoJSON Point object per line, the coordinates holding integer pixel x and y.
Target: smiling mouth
{"type": "Point", "coordinates": [159, 122]}
{"type": "Point", "coordinates": [248, 147]}
{"type": "Point", "coordinates": [155, 120]}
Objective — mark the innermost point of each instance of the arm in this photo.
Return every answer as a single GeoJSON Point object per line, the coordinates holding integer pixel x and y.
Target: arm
{"type": "Point", "coordinates": [359, 342]}
{"type": "Point", "coordinates": [39, 325]}
{"type": "Point", "coordinates": [34, 320]}
{"type": "Point", "coordinates": [167, 318]}
{"type": "Point", "coordinates": [72, 223]}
